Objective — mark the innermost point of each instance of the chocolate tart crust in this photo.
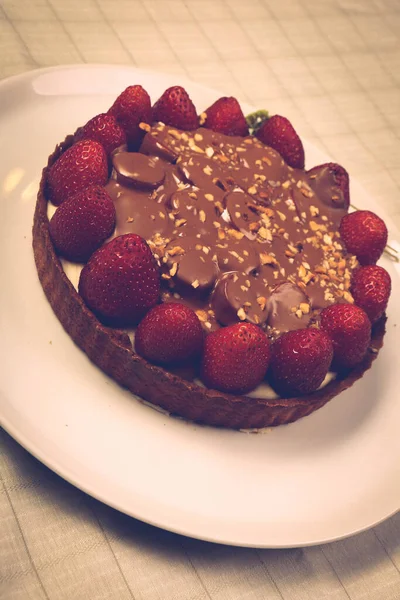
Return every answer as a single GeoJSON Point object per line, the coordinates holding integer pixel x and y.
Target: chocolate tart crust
{"type": "Point", "coordinates": [112, 352]}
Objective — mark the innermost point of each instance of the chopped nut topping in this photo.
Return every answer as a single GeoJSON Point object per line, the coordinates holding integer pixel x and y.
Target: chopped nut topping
{"type": "Point", "coordinates": [305, 308]}
{"type": "Point", "coordinates": [302, 272]}
{"type": "Point", "coordinates": [221, 234]}
{"type": "Point", "coordinates": [320, 269]}
{"type": "Point", "coordinates": [176, 251]}
{"type": "Point", "coordinates": [210, 152]}
{"type": "Point", "coordinates": [173, 270]}
{"type": "Point", "coordinates": [198, 137]}
{"type": "Point", "coordinates": [314, 226]}
{"type": "Point", "coordinates": [347, 296]}
{"type": "Point", "coordinates": [202, 315]}
{"type": "Point", "coordinates": [195, 283]}
{"type": "Point", "coordinates": [130, 220]}
{"type": "Point", "coordinates": [241, 314]}
{"type": "Point", "coordinates": [145, 127]}
{"type": "Point", "coordinates": [252, 190]}
{"type": "Point", "coordinates": [209, 197]}
{"type": "Point", "coordinates": [265, 234]}
{"type": "Point", "coordinates": [175, 134]}
{"type": "Point", "coordinates": [262, 302]}
{"type": "Point", "coordinates": [234, 233]}
{"type": "Point", "coordinates": [203, 118]}
{"type": "Point", "coordinates": [254, 226]}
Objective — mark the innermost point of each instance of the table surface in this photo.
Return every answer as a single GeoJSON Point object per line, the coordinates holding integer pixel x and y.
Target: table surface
{"type": "Point", "coordinates": [333, 68]}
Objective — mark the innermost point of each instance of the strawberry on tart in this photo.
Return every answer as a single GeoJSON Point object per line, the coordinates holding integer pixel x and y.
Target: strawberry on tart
{"type": "Point", "coordinates": [218, 279]}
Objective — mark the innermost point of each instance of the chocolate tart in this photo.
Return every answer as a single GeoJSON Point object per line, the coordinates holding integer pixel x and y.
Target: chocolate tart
{"type": "Point", "coordinates": [111, 350]}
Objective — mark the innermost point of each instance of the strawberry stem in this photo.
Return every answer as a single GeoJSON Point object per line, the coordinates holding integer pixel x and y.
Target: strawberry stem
{"type": "Point", "coordinates": [256, 119]}
{"type": "Point", "coordinates": [389, 250]}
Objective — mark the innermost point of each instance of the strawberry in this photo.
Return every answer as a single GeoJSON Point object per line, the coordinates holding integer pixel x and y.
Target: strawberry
{"type": "Point", "coordinates": [349, 328]}
{"type": "Point", "coordinates": [235, 358]}
{"type": "Point", "coordinates": [82, 165]}
{"type": "Point", "coordinates": [133, 106]}
{"type": "Point", "coordinates": [176, 108]}
{"type": "Point", "coordinates": [121, 281]}
{"type": "Point", "coordinates": [225, 116]}
{"type": "Point", "coordinates": [325, 178]}
{"type": "Point", "coordinates": [278, 133]}
{"type": "Point", "coordinates": [365, 235]}
{"type": "Point", "coordinates": [170, 333]}
{"type": "Point", "coordinates": [82, 223]}
{"type": "Point", "coordinates": [104, 129]}
{"type": "Point", "coordinates": [300, 361]}
{"type": "Point", "coordinates": [370, 287]}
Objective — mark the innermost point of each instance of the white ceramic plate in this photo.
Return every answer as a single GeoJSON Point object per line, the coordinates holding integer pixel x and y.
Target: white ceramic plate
{"type": "Point", "coordinates": [325, 477]}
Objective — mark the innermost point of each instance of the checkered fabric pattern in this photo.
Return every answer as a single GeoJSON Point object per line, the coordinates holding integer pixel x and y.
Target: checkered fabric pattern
{"type": "Point", "coordinates": [333, 68]}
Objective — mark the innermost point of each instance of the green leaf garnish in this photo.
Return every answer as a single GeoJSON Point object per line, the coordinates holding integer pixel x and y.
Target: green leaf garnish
{"type": "Point", "coordinates": [256, 119]}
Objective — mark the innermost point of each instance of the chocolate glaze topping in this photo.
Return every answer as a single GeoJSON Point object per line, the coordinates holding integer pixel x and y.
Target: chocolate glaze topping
{"type": "Point", "coordinates": [239, 235]}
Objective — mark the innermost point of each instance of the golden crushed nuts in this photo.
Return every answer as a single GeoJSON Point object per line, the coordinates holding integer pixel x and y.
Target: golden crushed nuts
{"type": "Point", "coordinates": [176, 251]}
{"type": "Point", "coordinates": [173, 270]}
{"type": "Point", "coordinates": [241, 314]}
{"type": "Point", "coordinates": [262, 302]}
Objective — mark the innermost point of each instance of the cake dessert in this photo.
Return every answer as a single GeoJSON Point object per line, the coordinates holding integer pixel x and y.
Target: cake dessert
{"type": "Point", "coordinates": [216, 277]}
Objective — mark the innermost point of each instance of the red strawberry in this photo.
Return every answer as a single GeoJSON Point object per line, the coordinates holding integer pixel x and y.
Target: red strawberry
{"type": "Point", "coordinates": [235, 358]}
{"type": "Point", "coordinates": [121, 281]}
{"type": "Point", "coordinates": [82, 223]}
{"type": "Point", "coordinates": [325, 178]}
{"type": "Point", "coordinates": [225, 116]}
{"type": "Point", "coordinates": [370, 287]}
{"type": "Point", "coordinates": [82, 165]}
{"type": "Point", "coordinates": [300, 361]}
{"type": "Point", "coordinates": [170, 333]}
{"type": "Point", "coordinates": [104, 129]}
{"type": "Point", "coordinates": [132, 107]}
{"type": "Point", "coordinates": [365, 235]}
{"type": "Point", "coordinates": [176, 108]}
{"type": "Point", "coordinates": [349, 328]}
{"type": "Point", "coordinates": [279, 133]}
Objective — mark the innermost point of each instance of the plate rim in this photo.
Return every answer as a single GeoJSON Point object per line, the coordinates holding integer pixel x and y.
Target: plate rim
{"type": "Point", "coordinates": [33, 449]}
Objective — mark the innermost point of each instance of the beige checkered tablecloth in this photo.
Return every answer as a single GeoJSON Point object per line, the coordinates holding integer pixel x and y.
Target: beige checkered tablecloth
{"type": "Point", "coordinates": [332, 67]}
